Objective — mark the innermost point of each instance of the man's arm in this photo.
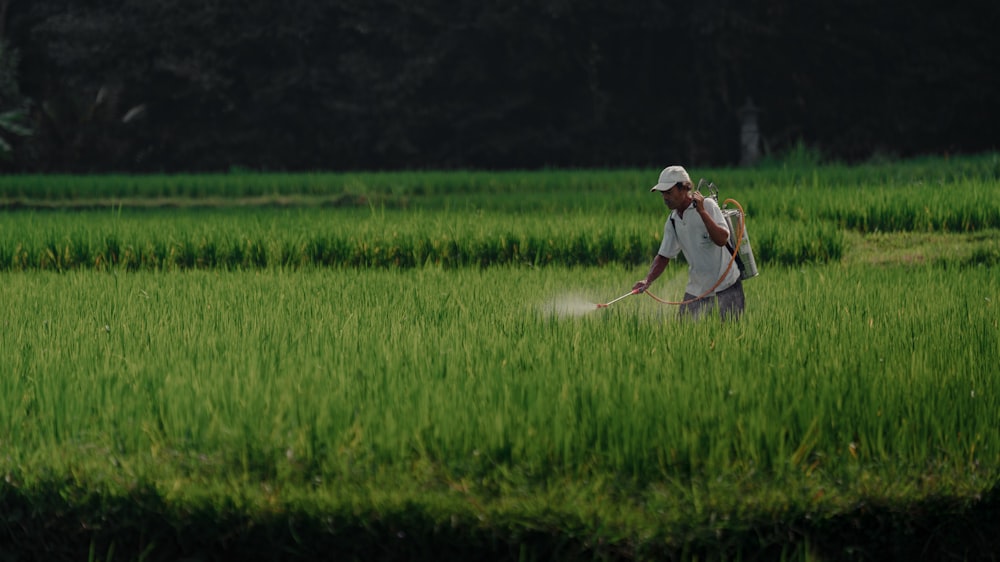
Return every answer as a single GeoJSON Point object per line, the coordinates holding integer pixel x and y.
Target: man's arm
{"type": "Point", "coordinates": [718, 234]}
{"type": "Point", "coordinates": [659, 264]}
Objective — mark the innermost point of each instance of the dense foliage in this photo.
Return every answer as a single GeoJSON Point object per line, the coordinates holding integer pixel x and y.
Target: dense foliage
{"type": "Point", "coordinates": [134, 85]}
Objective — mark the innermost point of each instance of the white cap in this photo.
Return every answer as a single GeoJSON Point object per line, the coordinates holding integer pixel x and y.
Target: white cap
{"type": "Point", "coordinates": [671, 176]}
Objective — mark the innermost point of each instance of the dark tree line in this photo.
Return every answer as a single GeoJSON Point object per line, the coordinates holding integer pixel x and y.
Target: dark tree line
{"type": "Point", "coordinates": [196, 85]}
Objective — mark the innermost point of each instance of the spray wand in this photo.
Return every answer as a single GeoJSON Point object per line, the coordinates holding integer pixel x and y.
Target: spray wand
{"type": "Point", "coordinates": [609, 303]}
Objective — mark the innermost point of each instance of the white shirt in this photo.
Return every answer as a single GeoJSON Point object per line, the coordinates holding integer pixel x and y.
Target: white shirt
{"type": "Point", "coordinates": [707, 261]}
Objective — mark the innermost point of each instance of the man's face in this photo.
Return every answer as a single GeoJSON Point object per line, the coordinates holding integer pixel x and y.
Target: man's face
{"type": "Point", "coordinates": [673, 197]}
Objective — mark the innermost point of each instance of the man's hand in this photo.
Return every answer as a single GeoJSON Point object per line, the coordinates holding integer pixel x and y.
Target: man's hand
{"type": "Point", "coordinates": [640, 287]}
{"type": "Point", "coordinates": [698, 199]}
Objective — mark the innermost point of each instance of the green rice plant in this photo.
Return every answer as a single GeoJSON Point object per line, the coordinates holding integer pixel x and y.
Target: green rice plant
{"type": "Point", "coordinates": [495, 402]}
{"type": "Point", "coordinates": [957, 194]}
{"type": "Point", "coordinates": [411, 366]}
{"type": "Point", "coordinates": [796, 242]}
{"type": "Point", "coordinates": [373, 186]}
{"type": "Point", "coordinates": [228, 239]}
{"type": "Point", "coordinates": [831, 381]}
{"type": "Point", "coordinates": [798, 224]}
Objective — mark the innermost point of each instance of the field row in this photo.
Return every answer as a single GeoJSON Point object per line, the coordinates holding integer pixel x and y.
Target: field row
{"type": "Point", "coordinates": [933, 171]}
{"type": "Point", "coordinates": [933, 195]}
{"type": "Point", "coordinates": [231, 239]}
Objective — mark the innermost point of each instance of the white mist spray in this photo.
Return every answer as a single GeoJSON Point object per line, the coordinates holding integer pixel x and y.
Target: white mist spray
{"type": "Point", "coordinates": [568, 306]}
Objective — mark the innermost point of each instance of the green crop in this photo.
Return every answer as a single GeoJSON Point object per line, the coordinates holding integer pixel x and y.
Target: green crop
{"type": "Point", "coordinates": [373, 355]}
{"type": "Point", "coordinates": [298, 238]}
{"type": "Point", "coordinates": [833, 372]}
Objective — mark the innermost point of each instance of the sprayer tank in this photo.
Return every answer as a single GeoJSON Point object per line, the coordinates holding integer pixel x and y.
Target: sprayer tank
{"type": "Point", "coordinates": [735, 221]}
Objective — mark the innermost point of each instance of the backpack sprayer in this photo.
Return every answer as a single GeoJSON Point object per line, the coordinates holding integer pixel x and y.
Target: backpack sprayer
{"type": "Point", "coordinates": [739, 240]}
{"type": "Point", "coordinates": [738, 246]}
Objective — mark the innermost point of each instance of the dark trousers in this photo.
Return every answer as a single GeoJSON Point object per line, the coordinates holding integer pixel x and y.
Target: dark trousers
{"type": "Point", "coordinates": [729, 302]}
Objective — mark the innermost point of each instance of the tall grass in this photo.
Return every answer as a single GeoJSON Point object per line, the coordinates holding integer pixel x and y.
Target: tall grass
{"type": "Point", "coordinates": [835, 379]}
{"type": "Point", "coordinates": [240, 239]}
{"type": "Point", "coordinates": [408, 366]}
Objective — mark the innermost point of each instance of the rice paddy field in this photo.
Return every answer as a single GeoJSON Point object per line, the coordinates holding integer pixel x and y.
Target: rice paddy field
{"type": "Point", "coordinates": [412, 366]}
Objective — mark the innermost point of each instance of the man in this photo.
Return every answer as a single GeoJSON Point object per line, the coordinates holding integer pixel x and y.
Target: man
{"type": "Point", "coordinates": [697, 228]}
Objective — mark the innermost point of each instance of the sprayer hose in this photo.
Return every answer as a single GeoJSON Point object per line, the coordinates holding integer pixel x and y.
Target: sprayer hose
{"type": "Point", "coordinates": [739, 240]}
